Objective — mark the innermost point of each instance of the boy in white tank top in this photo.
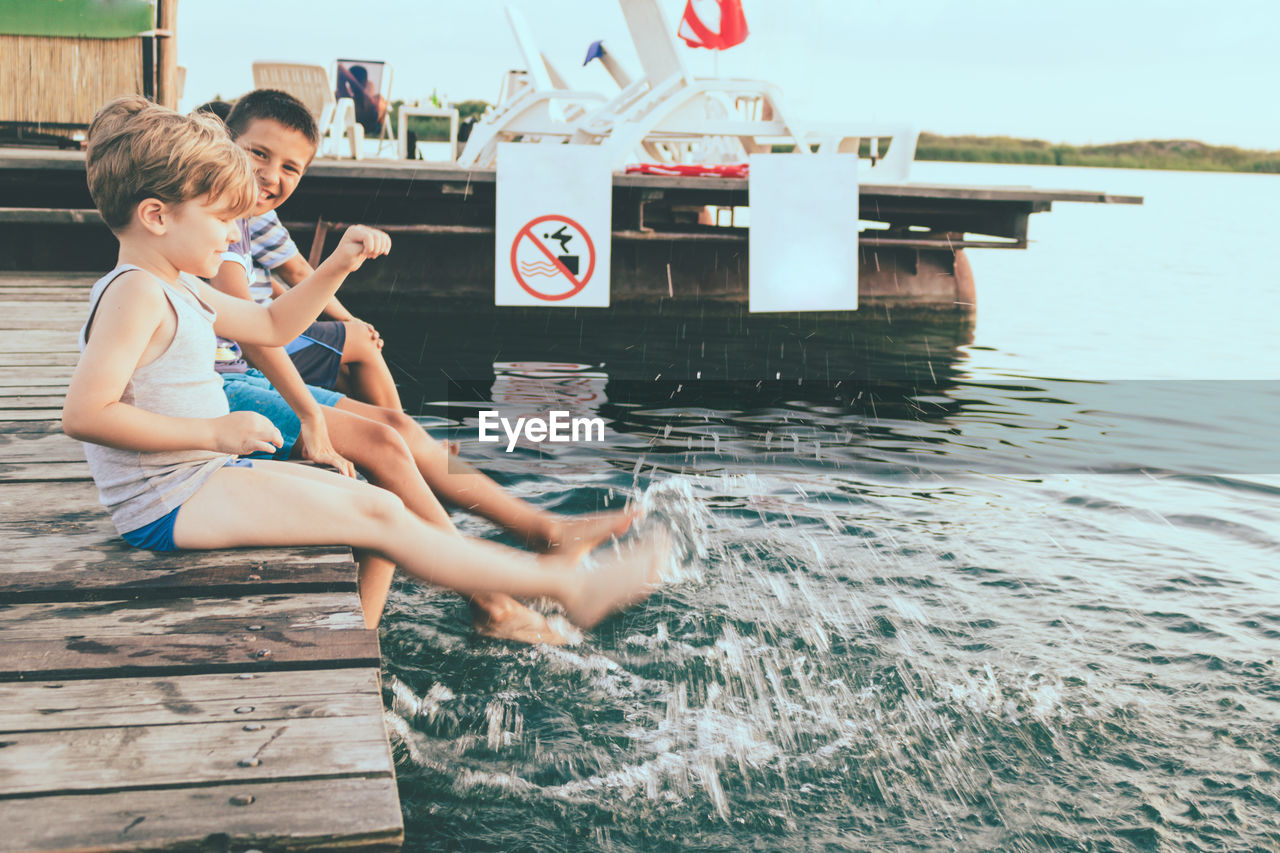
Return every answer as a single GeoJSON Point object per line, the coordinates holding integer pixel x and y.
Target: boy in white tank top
{"type": "Point", "coordinates": [146, 396]}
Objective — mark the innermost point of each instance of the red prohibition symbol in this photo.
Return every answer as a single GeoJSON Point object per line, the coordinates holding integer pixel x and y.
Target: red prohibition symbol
{"type": "Point", "coordinates": [554, 265]}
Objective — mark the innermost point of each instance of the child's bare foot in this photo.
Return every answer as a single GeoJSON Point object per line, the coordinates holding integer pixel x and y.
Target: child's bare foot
{"type": "Point", "coordinates": [622, 578]}
{"type": "Point", "coordinates": [504, 618]}
{"type": "Point", "coordinates": [576, 537]}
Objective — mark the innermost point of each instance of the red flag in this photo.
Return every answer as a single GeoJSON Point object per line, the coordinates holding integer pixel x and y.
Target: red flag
{"type": "Point", "coordinates": [713, 24]}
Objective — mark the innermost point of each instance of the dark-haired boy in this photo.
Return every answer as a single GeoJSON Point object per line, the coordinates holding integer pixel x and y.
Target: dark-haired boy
{"type": "Point", "coordinates": [342, 353]}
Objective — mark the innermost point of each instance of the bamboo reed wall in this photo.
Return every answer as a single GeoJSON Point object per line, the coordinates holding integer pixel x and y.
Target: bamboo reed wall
{"type": "Point", "coordinates": [65, 80]}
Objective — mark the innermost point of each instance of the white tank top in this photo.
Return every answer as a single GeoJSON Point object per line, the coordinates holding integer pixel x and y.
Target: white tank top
{"type": "Point", "coordinates": [139, 487]}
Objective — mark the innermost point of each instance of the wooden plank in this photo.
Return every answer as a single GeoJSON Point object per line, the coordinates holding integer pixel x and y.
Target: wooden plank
{"type": "Point", "coordinates": [55, 762]}
{"type": "Point", "coordinates": [26, 294]}
{"type": "Point", "coordinates": [123, 572]}
{"type": "Point", "coordinates": [62, 358]}
{"type": "Point", "coordinates": [112, 619]}
{"type": "Point", "coordinates": [61, 316]}
{"type": "Point", "coordinates": [47, 389]}
{"type": "Point", "coordinates": [51, 216]}
{"type": "Point", "coordinates": [30, 415]}
{"type": "Point", "coordinates": [329, 814]}
{"type": "Point", "coordinates": [18, 377]}
{"type": "Point", "coordinates": [60, 545]}
{"type": "Point", "coordinates": [24, 429]}
{"type": "Point", "coordinates": [39, 454]}
{"type": "Point", "coordinates": [117, 657]}
{"type": "Point", "coordinates": [184, 636]}
{"type": "Point", "coordinates": [37, 341]}
{"type": "Point", "coordinates": [49, 444]}
{"type": "Point", "coordinates": [40, 472]}
{"type": "Point", "coordinates": [46, 289]}
{"type": "Point", "coordinates": [18, 314]}
{"type": "Point", "coordinates": [51, 398]}
{"type": "Point", "coordinates": [27, 278]}
{"type": "Point", "coordinates": [62, 705]}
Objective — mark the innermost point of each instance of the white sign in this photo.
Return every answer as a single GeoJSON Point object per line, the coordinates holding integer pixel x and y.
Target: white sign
{"type": "Point", "coordinates": [554, 225]}
{"type": "Point", "coordinates": [803, 249]}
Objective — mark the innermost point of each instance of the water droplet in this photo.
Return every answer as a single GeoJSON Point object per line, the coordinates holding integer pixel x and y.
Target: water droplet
{"type": "Point", "coordinates": [244, 709]}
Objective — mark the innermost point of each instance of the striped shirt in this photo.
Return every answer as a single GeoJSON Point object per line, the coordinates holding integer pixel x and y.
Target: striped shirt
{"type": "Point", "coordinates": [269, 241]}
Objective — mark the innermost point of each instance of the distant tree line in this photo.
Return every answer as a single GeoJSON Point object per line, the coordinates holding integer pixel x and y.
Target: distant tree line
{"type": "Point", "coordinates": [1176, 154]}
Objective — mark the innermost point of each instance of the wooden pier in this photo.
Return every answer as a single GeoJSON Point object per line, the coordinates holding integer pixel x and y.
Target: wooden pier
{"type": "Point", "coordinates": [224, 700]}
{"type": "Point", "coordinates": [442, 219]}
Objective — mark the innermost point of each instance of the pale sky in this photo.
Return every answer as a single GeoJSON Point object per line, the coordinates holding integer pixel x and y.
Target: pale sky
{"type": "Point", "coordinates": [1082, 72]}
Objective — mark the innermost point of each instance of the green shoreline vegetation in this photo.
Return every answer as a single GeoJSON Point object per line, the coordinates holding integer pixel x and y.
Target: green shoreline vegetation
{"type": "Point", "coordinates": [1174, 154]}
{"type": "Point", "coordinates": [1183, 155]}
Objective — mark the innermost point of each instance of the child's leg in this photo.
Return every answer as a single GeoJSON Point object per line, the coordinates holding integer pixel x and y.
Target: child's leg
{"type": "Point", "coordinates": [365, 374]}
{"type": "Point", "coordinates": [457, 482]}
{"type": "Point", "coordinates": [380, 452]}
{"type": "Point", "coordinates": [373, 583]}
{"type": "Point", "coordinates": [328, 509]}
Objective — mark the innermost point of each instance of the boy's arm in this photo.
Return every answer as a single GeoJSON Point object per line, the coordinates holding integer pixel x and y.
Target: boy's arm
{"type": "Point", "coordinates": [314, 443]}
{"type": "Point", "coordinates": [275, 364]}
{"type": "Point", "coordinates": [286, 317]}
{"type": "Point", "coordinates": [128, 316]}
{"type": "Point", "coordinates": [295, 270]}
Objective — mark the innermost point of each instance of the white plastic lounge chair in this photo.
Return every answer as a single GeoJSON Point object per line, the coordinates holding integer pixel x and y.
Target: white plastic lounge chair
{"type": "Point", "coordinates": [541, 108]}
{"type": "Point", "coordinates": [892, 167]}
{"type": "Point", "coordinates": [672, 117]}
{"type": "Point", "coordinates": [311, 85]}
{"type": "Point", "coordinates": [675, 117]}
{"type": "Point", "coordinates": [596, 50]}
{"type": "Point", "coordinates": [668, 116]}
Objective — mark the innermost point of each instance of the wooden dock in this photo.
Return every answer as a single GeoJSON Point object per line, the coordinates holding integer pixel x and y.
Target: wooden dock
{"type": "Point", "coordinates": [225, 700]}
{"type": "Point", "coordinates": [442, 219]}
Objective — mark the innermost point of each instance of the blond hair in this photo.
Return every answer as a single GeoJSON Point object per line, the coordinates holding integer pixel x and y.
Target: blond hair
{"type": "Point", "coordinates": [139, 150]}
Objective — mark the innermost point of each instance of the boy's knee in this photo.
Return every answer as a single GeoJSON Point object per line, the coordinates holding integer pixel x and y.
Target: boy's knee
{"type": "Point", "coordinates": [386, 439]}
{"type": "Point", "coordinates": [378, 506]}
{"type": "Point", "coordinates": [403, 424]}
{"type": "Point", "coordinates": [359, 346]}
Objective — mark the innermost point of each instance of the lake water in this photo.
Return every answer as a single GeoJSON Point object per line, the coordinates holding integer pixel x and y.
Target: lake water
{"type": "Point", "coordinates": [1008, 586]}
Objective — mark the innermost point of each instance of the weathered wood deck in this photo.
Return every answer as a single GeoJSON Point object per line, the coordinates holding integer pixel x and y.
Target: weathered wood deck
{"type": "Point", "coordinates": [220, 700]}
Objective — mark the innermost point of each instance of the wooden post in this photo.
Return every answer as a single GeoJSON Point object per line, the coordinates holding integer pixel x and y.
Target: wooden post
{"type": "Point", "coordinates": [317, 243]}
{"type": "Point", "coordinates": [167, 53]}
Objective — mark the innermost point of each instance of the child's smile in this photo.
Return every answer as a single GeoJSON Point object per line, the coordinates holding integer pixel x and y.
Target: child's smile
{"type": "Point", "coordinates": [203, 232]}
{"type": "Point", "coordinates": [279, 156]}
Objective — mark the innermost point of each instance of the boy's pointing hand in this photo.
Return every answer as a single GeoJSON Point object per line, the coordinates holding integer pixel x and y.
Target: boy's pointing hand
{"type": "Point", "coordinates": [359, 243]}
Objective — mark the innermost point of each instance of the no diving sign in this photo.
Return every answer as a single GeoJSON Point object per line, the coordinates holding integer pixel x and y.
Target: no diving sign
{"type": "Point", "coordinates": [553, 258]}
{"type": "Point", "coordinates": [553, 226]}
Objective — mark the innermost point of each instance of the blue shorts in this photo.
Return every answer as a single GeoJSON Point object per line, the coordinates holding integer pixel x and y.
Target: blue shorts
{"type": "Point", "coordinates": [251, 392]}
{"type": "Point", "coordinates": [317, 352]}
{"type": "Point", "coordinates": [158, 535]}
